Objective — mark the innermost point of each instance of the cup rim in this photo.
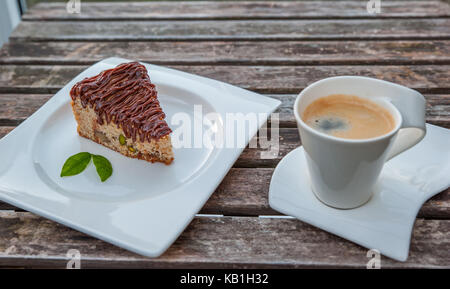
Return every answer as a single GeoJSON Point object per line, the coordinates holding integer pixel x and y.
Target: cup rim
{"type": "Point", "coordinates": [338, 139]}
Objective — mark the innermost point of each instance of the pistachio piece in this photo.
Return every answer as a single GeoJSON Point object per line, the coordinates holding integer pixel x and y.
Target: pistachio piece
{"type": "Point", "coordinates": [122, 139]}
{"type": "Point", "coordinates": [131, 149]}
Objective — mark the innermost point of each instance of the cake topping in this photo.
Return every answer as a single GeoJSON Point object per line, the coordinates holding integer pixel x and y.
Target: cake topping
{"type": "Point", "coordinates": [125, 96]}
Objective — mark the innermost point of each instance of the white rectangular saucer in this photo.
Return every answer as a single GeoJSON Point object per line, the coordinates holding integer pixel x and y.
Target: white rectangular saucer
{"type": "Point", "coordinates": [142, 207]}
{"type": "Point", "coordinates": [385, 222]}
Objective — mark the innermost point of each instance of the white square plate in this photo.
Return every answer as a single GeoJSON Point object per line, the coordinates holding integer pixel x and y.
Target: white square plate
{"type": "Point", "coordinates": [142, 207]}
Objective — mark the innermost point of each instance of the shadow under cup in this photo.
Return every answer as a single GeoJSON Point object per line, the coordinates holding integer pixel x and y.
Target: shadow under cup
{"type": "Point", "coordinates": [344, 171]}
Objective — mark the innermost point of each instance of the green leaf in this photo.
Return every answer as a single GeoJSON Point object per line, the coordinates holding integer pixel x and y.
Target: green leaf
{"type": "Point", "coordinates": [75, 164]}
{"type": "Point", "coordinates": [103, 167]}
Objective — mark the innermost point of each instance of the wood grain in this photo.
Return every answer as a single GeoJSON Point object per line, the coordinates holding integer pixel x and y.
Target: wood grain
{"type": "Point", "coordinates": [225, 242]}
{"type": "Point", "coordinates": [15, 108]}
{"type": "Point", "coordinates": [236, 10]}
{"type": "Point", "coordinates": [277, 48]}
{"type": "Point", "coordinates": [263, 79]}
{"type": "Point", "coordinates": [233, 30]}
{"type": "Point", "coordinates": [4, 130]}
{"type": "Point", "coordinates": [232, 52]}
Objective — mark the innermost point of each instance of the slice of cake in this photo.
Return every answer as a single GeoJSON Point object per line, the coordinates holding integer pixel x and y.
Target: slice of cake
{"type": "Point", "coordinates": [119, 109]}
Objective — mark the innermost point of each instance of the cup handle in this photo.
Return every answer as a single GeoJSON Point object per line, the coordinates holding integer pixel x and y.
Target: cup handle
{"type": "Point", "coordinates": [412, 130]}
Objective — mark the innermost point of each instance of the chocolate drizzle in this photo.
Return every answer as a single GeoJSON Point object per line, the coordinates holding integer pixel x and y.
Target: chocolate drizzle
{"type": "Point", "coordinates": [125, 96]}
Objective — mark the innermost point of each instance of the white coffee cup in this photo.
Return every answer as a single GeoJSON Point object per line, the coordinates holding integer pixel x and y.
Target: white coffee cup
{"type": "Point", "coordinates": [344, 171]}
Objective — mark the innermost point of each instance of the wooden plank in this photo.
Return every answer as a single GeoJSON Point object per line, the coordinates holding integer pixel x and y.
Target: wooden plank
{"type": "Point", "coordinates": [242, 53]}
{"type": "Point", "coordinates": [233, 30]}
{"type": "Point", "coordinates": [15, 108]}
{"type": "Point", "coordinates": [236, 10]}
{"type": "Point", "coordinates": [264, 79]}
{"type": "Point", "coordinates": [226, 242]}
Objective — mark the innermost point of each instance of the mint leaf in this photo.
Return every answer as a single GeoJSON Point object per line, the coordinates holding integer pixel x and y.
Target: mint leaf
{"type": "Point", "coordinates": [75, 164]}
{"type": "Point", "coordinates": [103, 167]}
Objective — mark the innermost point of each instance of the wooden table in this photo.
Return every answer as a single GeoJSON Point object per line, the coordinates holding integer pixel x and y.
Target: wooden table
{"type": "Point", "coordinates": [271, 48]}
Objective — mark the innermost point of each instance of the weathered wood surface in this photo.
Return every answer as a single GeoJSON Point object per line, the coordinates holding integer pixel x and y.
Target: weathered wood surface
{"type": "Point", "coordinates": [221, 242]}
{"type": "Point", "coordinates": [237, 10]}
{"type": "Point", "coordinates": [264, 79]}
{"type": "Point", "coordinates": [233, 52]}
{"type": "Point", "coordinates": [233, 30]}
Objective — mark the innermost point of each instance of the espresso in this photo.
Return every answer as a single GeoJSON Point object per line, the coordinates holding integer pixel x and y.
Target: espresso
{"type": "Point", "coordinates": [348, 116]}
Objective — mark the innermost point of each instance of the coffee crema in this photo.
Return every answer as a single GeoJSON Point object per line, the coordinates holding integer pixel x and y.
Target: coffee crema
{"type": "Point", "coordinates": [348, 116]}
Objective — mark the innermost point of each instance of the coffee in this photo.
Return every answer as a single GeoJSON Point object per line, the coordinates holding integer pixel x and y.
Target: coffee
{"type": "Point", "coordinates": [348, 116]}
